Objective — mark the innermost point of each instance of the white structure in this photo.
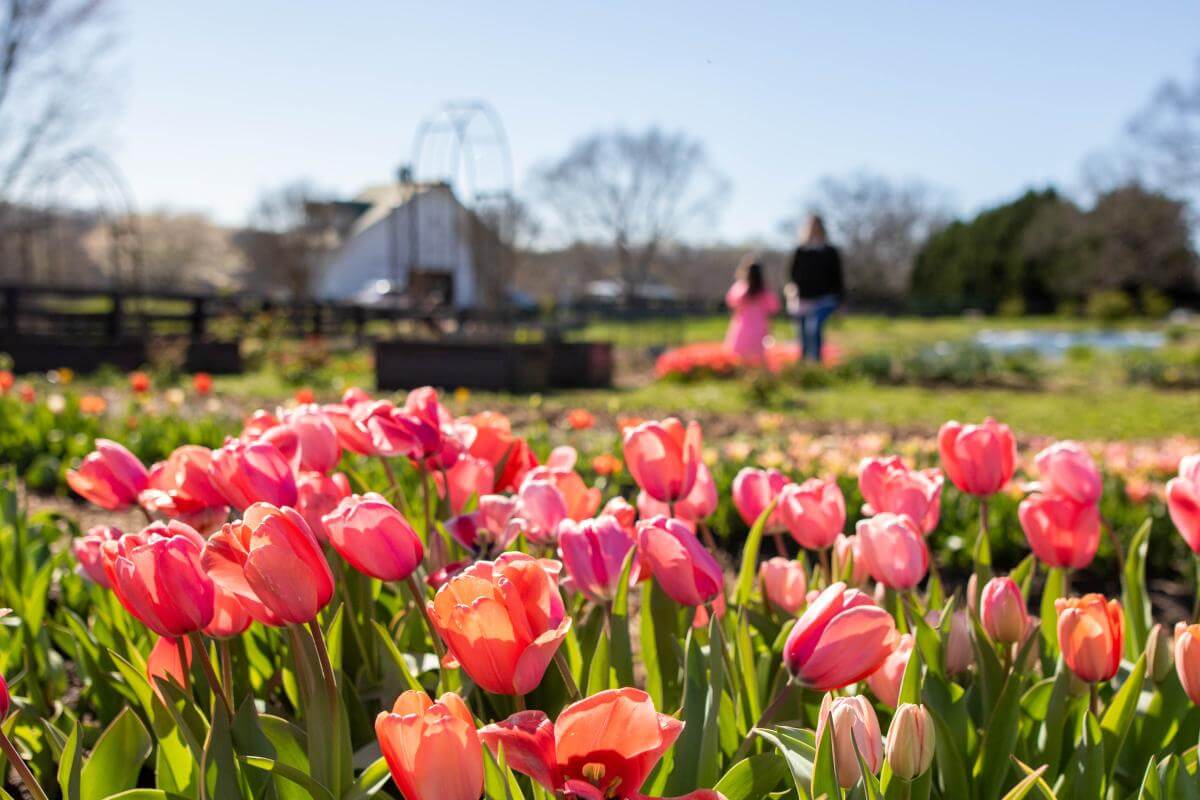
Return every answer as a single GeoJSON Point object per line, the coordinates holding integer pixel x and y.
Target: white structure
{"type": "Point", "coordinates": [410, 244]}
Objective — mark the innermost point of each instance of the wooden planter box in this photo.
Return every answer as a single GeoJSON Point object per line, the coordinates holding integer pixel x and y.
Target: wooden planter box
{"type": "Point", "coordinates": [217, 358]}
{"type": "Point", "coordinates": [495, 366]}
{"type": "Point", "coordinates": [581, 365]}
{"type": "Point", "coordinates": [42, 353]}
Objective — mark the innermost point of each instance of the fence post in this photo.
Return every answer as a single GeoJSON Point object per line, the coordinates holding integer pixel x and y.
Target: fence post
{"type": "Point", "coordinates": [115, 318]}
{"type": "Point", "coordinates": [198, 318]}
{"type": "Point", "coordinates": [12, 309]}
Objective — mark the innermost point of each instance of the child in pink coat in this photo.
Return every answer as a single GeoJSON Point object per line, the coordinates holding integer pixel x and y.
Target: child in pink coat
{"type": "Point", "coordinates": [752, 305]}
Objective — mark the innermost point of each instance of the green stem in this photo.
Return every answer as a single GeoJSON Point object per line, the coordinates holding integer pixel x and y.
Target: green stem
{"type": "Point", "coordinates": [565, 670]}
{"type": "Point", "coordinates": [326, 666]}
{"type": "Point", "coordinates": [418, 595]}
{"type": "Point", "coordinates": [31, 783]}
{"type": "Point", "coordinates": [200, 652]}
{"type": "Point", "coordinates": [226, 665]}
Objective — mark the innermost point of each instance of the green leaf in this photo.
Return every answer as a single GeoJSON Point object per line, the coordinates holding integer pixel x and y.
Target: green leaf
{"type": "Point", "coordinates": [1151, 785]}
{"type": "Point", "coordinates": [1056, 583]}
{"type": "Point", "coordinates": [70, 767]}
{"type": "Point", "coordinates": [1119, 714]}
{"type": "Point", "coordinates": [1026, 785]}
{"type": "Point", "coordinates": [1001, 732]}
{"type": "Point", "coordinates": [315, 790]}
{"type": "Point", "coordinates": [117, 758]}
{"type": "Point", "coordinates": [598, 667]}
{"type": "Point", "coordinates": [1134, 598]}
{"type": "Point", "coordinates": [824, 777]}
{"type": "Point", "coordinates": [799, 754]}
{"type": "Point", "coordinates": [1040, 781]}
{"type": "Point", "coordinates": [622, 647]}
{"type": "Point", "coordinates": [370, 781]}
{"type": "Point", "coordinates": [396, 657]}
{"type": "Point", "coordinates": [1085, 771]}
{"type": "Point", "coordinates": [744, 587]}
{"type": "Point", "coordinates": [910, 683]}
{"type": "Point", "coordinates": [753, 778]}
{"type": "Point", "coordinates": [218, 765]}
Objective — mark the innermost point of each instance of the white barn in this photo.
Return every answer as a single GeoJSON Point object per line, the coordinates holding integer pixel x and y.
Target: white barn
{"type": "Point", "coordinates": [412, 243]}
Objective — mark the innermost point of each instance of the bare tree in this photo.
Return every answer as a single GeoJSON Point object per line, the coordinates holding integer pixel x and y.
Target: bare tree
{"type": "Point", "coordinates": [633, 192]}
{"type": "Point", "coordinates": [50, 51]}
{"type": "Point", "coordinates": [1168, 132]}
{"type": "Point", "coordinates": [284, 244]}
{"type": "Point", "coordinates": [880, 225]}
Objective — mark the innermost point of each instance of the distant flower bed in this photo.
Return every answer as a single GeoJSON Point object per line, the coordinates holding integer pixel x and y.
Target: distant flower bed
{"type": "Point", "coordinates": [709, 359]}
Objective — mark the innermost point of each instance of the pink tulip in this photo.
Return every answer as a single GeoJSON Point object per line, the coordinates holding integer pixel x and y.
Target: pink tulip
{"type": "Point", "coordinates": [156, 575]}
{"type": "Point", "coordinates": [885, 681]}
{"type": "Point", "coordinates": [272, 563]}
{"type": "Point", "coordinates": [230, 617]}
{"type": "Point", "coordinates": [664, 457]}
{"type": "Point", "coordinates": [394, 432]}
{"type": "Point", "coordinates": [181, 487]}
{"type": "Point", "coordinates": [814, 512]}
{"type": "Point", "coordinates": [110, 476]}
{"type": "Point", "coordinates": [259, 423]}
{"type": "Point", "coordinates": [887, 484]}
{"type": "Point", "coordinates": [490, 529]}
{"type": "Point", "coordinates": [307, 439]}
{"type": "Point", "coordinates": [683, 568]}
{"type": "Point", "coordinates": [848, 550]}
{"type": "Point", "coordinates": [88, 550]}
{"type": "Point", "coordinates": [316, 495]}
{"type": "Point", "coordinates": [249, 472]}
{"type": "Point", "coordinates": [855, 733]}
{"type": "Point", "coordinates": [784, 583]}
{"type": "Point", "coordinates": [1061, 532]}
{"type": "Point", "coordinates": [620, 509]}
{"type": "Point", "coordinates": [349, 422]}
{"type": "Point", "coordinates": [580, 500]}
{"type": "Point", "coordinates": [1187, 659]}
{"type": "Point", "coordinates": [423, 406]}
{"type": "Point", "coordinates": [1183, 501]}
{"type": "Point", "coordinates": [753, 490]}
{"type": "Point", "coordinates": [700, 503]}
{"type": "Point", "coordinates": [469, 477]}
{"type": "Point", "coordinates": [374, 537]}
{"type": "Point", "coordinates": [979, 459]}
{"type": "Point", "coordinates": [894, 550]}
{"type": "Point", "coordinates": [169, 660]}
{"type": "Point", "coordinates": [543, 509]}
{"type": "Point", "coordinates": [841, 638]}
{"type": "Point", "coordinates": [594, 552]}
{"type": "Point", "coordinates": [1067, 470]}
{"type": "Point", "coordinates": [1002, 611]}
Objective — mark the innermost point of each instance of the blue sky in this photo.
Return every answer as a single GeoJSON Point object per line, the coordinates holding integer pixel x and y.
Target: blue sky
{"type": "Point", "coordinates": [223, 99]}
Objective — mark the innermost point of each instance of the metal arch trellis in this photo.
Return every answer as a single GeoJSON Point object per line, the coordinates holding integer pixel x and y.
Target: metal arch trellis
{"type": "Point", "coordinates": [115, 207]}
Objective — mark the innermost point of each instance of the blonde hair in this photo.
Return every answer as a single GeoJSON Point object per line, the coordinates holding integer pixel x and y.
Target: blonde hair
{"type": "Point", "coordinates": [812, 232]}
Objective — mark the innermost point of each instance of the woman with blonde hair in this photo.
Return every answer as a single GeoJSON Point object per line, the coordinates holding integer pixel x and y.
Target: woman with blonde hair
{"type": "Point", "coordinates": [816, 287]}
{"type": "Point", "coordinates": [753, 305]}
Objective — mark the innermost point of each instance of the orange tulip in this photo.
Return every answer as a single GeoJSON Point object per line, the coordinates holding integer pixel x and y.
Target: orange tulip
{"type": "Point", "coordinates": [502, 621]}
{"type": "Point", "coordinates": [272, 563]}
{"type": "Point", "coordinates": [580, 419]}
{"type": "Point", "coordinates": [1090, 633]}
{"type": "Point", "coordinates": [431, 749]}
{"type": "Point", "coordinates": [603, 746]}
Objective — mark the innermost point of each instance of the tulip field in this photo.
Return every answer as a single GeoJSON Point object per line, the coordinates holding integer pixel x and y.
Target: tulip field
{"type": "Point", "coordinates": [393, 597]}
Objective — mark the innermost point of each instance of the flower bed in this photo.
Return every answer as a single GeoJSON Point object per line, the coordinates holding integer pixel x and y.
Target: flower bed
{"type": "Point", "coordinates": [338, 593]}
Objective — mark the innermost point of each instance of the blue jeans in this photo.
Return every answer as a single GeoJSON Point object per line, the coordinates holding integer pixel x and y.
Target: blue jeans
{"type": "Point", "coordinates": [810, 325]}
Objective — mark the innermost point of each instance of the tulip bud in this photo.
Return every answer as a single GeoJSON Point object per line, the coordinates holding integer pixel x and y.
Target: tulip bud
{"type": "Point", "coordinates": [910, 742]}
{"type": "Point", "coordinates": [959, 655]}
{"type": "Point", "coordinates": [855, 732]}
{"type": "Point", "coordinates": [1002, 611]}
{"type": "Point", "coordinates": [1159, 660]}
{"type": "Point", "coordinates": [1187, 659]}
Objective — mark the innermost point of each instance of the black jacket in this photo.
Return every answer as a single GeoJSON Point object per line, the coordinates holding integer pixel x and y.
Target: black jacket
{"type": "Point", "coordinates": [817, 272]}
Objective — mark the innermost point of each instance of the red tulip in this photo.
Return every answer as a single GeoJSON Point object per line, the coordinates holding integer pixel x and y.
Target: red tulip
{"type": "Point", "coordinates": [89, 552]}
{"type": "Point", "coordinates": [603, 746]}
{"type": "Point", "coordinates": [316, 495]}
{"type": "Point", "coordinates": [753, 490]}
{"type": "Point", "coordinates": [1183, 501]}
{"type": "Point", "coordinates": [893, 550]}
{"type": "Point", "coordinates": [110, 476]}
{"type": "Point", "coordinates": [1090, 634]}
{"type": "Point", "coordinates": [169, 659]}
{"type": "Point", "coordinates": [855, 733]}
{"type": "Point", "coordinates": [469, 477]}
{"type": "Point", "coordinates": [885, 681]}
{"type": "Point", "coordinates": [887, 484]}
{"type": "Point", "coordinates": [814, 512]}
{"type": "Point", "coordinates": [1061, 532]}
{"type": "Point", "coordinates": [272, 563]}
{"type": "Point", "coordinates": [489, 436]}
{"type": "Point", "coordinates": [979, 459]}
{"type": "Point", "coordinates": [502, 621]}
{"type": "Point", "coordinates": [1067, 470]}
{"type": "Point", "coordinates": [156, 575]}
{"type": "Point", "coordinates": [683, 568]}
{"type": "Point", "coordinates": [784, 583]}
{"type": "Point", "coordinates": [1187, 659]}
{"type": "Point", "coordinates": [1002, 611]}
{"type": "Point", "coordinates": [432, 749]}
{"type": "Point", "coordinates": [594, 552]}
{"type": "Point", "coordinates": [249, 472]}
{"type": "Point", "coordinates": [664, 457]}
{"type": "Point", "coordinates": [374, 537]}
{"type": "Point", "coordinates": [841, 638]}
